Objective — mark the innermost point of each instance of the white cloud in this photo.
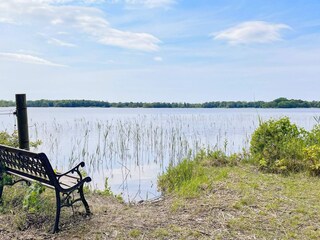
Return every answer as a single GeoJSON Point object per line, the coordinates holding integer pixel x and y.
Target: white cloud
{"type": "Point", "coordinates": [147, 3]}
{"type": "Point", "coordinates": [26, 58]}
{"type": "Point", "coordinates": [100, 29]}
{"type": "Point", "coordinates": [252, 32]}
{"type": "Point", "coordinates": [94, 1]}
{"type": "Point", "coordinates": [89, 20]}
{"type": "Point", "coordinates": [158, 59]}
{"type": "Point", "coordinates": [56, 21]}
{"type": "Point", "coordinates": [6, 20]}
{"type": "Point", "coordinates": [60, 43]}
{"type": "Point", "coordinates": [138, 41]}
{"type": "Point", "coordinates": [151, 3]}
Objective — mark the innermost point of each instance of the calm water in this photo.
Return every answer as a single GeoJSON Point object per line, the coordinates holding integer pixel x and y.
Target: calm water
{"type": "Point", "coordinates": [133, 146]}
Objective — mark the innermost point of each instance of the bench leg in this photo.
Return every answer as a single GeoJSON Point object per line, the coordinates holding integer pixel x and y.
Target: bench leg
{"type": "Point", "coordinates": [58, 202]}
{"type": "Point", "coordinates": [85, 203]}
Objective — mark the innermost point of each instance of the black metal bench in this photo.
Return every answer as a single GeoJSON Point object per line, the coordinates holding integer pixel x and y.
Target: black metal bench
{"type": "Point", "coordinates": [35, 167]}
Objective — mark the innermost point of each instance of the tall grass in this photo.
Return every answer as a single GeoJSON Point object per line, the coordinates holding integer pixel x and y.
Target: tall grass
{"type": "Point", "coordinates": [131, 144]}
{"type": "Point", "coordinates": [132, 149]}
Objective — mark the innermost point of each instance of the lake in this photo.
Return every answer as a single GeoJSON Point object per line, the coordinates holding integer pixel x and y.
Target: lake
{"type": "Point", "coordinates": [131, 147]}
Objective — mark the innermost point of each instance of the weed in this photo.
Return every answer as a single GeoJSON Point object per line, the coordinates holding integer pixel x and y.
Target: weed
{"type": "Point", "coordinates": [161, 233]}
{"type": "Point", "coordinates": [32, 201]}
{"type": "Point", "coordinates": [177, 205]}
{"type": "Point", "coordinates": [108, 192]}
{"type": "Point", "coordinates": [135, 233]}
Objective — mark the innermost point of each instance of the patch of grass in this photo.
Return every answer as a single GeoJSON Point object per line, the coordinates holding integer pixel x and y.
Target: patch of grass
{"type": "Point", "coordinates": [176, 176]}
{"type": "Point", "coordinates": [161, 233]}
{"type": "Point", "coordinates": [31, 205]}
{"type": "Point", "coordinates": [177, 205]}
{"type": "Point", "coordinates": [276, 206]}
{"type": "Point", "coordinates": [135, 233]}
{"type": "Point", "coordinates": [251, 203]}
{"type": "Point", "coordinates": [245, 201]}
{"type": "Point", "coordinates": [190, 178]}
{"type": "Point", "coordinates": [176, 229]}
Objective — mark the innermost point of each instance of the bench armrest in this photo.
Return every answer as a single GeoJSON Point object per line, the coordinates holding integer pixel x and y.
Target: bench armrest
{"type": "Point", "coordinates": [73, 170]}
{"type": "Point", "coordinates": [81, 182]}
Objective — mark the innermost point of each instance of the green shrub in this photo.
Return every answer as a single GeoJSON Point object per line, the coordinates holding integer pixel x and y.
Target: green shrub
{"type": "Point", "coordinates": [312, 159]}
{"type": "Point", "coordinates": [314, 136]}
{"type": "Point", "coordinates": [9, 139]}
{"type": "Point", "coordinates": [277, 146]}
{"type": "Point", "coordinates": [13, 140]}
{"type": "Point", "coordinates": [30, 196]}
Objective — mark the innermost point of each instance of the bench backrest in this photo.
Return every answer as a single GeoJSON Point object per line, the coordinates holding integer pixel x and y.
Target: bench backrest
{"type": "Point", "coordinates": [34, 166]}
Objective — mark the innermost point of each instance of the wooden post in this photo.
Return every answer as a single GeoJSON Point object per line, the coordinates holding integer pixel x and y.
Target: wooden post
{"type": "Point", "coordinates": [23, 133]}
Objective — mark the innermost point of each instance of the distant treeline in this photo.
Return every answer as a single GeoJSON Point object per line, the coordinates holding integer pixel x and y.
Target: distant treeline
{"type": "Point", "coordinates": [277, 103]}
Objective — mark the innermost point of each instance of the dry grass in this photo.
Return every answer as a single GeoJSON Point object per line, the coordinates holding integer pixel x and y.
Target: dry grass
{"type": "Point", "coordinates": [247, 204]}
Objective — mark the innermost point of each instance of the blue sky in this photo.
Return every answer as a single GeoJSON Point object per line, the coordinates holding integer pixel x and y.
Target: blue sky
{"type": "Point", "coordinates": [160, 50]}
